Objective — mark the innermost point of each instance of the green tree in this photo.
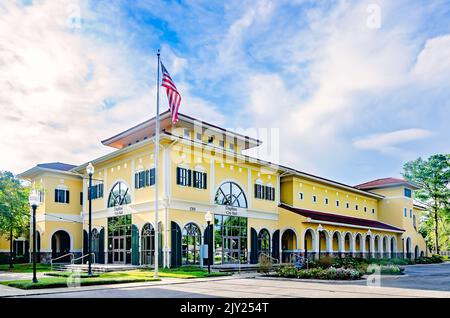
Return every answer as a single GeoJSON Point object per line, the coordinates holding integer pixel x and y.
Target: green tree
{"type": "Point", "coordinates": [14, 209]}
{"type": "Point", "coordinates": [433, 178]}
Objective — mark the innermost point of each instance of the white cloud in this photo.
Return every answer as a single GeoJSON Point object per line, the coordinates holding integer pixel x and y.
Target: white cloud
{"type": "Point", "coordinates": [389, 142]}
{"type": "Point", "coordinates": [433, 62]}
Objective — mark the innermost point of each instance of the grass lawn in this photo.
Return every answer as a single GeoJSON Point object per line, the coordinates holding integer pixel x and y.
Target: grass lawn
{"type": "Point", "coordinates": [62, 279]}
{"type": "Point", "coordinates": [24, 268]}
{"type": "Point", "coordinates": [188, 272]}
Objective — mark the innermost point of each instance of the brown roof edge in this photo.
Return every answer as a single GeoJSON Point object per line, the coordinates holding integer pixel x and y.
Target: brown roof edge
{"type": "Point", "coordinates": [257, 141]}
{"type": "Point", "coordinates": [385, 182]}
{"type": "Point", "coordinates": [342, 219]}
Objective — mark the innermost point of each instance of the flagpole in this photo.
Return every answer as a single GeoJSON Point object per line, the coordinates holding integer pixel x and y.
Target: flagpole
{"type": "Point", "coordinates": [156, 173]}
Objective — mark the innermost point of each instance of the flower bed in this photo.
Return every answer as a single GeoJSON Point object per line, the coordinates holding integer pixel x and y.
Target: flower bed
{"type": "Point", "coordinates": [319, 273]}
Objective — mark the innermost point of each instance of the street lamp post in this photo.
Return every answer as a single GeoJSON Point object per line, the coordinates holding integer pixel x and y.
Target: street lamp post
{"type": "Point", "coordinates": [34, 202]}
{"type": "Point", "coordinates": [90, 172]}
{"type": "Point", "coordinates": [208, 219]}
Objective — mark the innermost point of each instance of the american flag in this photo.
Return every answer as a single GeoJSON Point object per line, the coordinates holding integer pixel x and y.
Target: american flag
{"type": "Point", "coordinates": [172, 93]}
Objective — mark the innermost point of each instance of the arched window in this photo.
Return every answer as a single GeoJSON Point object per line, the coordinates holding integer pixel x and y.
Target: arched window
{"type": "Point", "coordinates": [119, 195]}
{"type": "Point", "coordinates": [190, 244]}
{"type": "Point", "coordinates": [264, 242]}
{"type": "Point", "coordinates": [231, 194]}
{"type": "Point", "coordinates": [147, 244]}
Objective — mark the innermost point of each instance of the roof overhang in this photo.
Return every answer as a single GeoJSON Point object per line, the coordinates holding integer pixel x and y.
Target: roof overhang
{"type": "Point", "coordinates": [33, 172]}
{"type": "Point", "coordinates": [341, 220]}
{"type": "Point", "coordinates": [146, 130]}
{"type": "Point", "coordinates": [393, 185]}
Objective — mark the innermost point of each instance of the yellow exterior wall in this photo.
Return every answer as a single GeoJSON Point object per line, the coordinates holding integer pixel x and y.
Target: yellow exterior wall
{"type": "Point", "coordinates": [74, 230]}
{"type": "Point", "coordinates": [333, 194]}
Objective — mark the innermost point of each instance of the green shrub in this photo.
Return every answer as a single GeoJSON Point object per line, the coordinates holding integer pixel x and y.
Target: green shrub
{"type": "Point", "coordinates": [434, 259]}
{"type": "Point", "coordinates": [325, 262]}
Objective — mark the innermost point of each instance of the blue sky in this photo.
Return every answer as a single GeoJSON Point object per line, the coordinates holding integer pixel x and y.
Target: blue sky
{"type": "Point", "coordinates": [353, 88]}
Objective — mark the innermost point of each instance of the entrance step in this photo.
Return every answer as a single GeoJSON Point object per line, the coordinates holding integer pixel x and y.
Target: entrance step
{"type": "Point", "coordinates": [99, 268]}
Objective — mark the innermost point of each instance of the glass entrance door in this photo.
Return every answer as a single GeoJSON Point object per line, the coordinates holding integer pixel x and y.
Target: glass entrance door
{"type": "Point", "coordinates": [230, 239]}
{"type": "Point", "coordinates": [118, 250]}
{"type": "Point", "coordinates": [231, 248]}
{"type": "Point", "coordinates": [119, 240]}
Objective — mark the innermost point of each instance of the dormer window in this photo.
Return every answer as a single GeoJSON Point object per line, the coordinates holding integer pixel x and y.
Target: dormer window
{"type": "Point", "coordinates": [221, 143]}
{"type": "Point", "coordinates": [61, 195]}
{"type": "Point", "coordinates": [199, 136]}
{"type": "Point", "coordinates": [210, 139]}
{"type": "Point", "coordinates": [232, 147]}
{"type": "Point", "coordinates": [187, 133]}
{"type": "Point", "coordinates": [408, 193]}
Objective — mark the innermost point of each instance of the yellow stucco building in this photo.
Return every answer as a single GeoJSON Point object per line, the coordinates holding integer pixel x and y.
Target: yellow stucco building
{"type": "Point", "coordinates": [257, 206]}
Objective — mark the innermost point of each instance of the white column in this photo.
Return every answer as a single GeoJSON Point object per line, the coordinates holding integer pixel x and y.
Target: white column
{"type": "Point", "coordinates": [212, 180]}
{"type": "Point", "coordinates": [105, 189]}
{"type": "Point", "coordinates": [341, 243]}
{"type": "Point", "coordinates": [249, 188]}
{"type": "Point", "coordinates": [329, 239]}
{"type": "Point", "coordinates": [352, 244]}
{"type": "Point", "coordinates": [278, 190]}
{"type": "Point", "coordinates": [372, 245]}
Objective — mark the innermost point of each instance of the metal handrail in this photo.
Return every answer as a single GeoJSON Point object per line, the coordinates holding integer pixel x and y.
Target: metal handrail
{"type": "Point", "coordinates": [295, 256]}
{"type": "Point", "coordinates": [273, 259]}
{"type": "Point", "coordinates": [231, 257]}
{"type": "Point", "coordinates": [59, 257]}
{"type": "Point", "coordinates": [76, 259]}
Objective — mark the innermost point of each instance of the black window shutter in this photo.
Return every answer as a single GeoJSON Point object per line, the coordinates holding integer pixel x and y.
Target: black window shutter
{"type": "Point", "coordinates": [189, 175]}
{"type": "Point", "coordinates": [147, 178]}
{"type": "Point", "coordinates": [178, 175]}
{"type": "Point", "coordinates": [67, 196]}
{"type": "Point", "coordinates": [273, 194]}
{"type": "Point", "coordinates": [141, 179]}
{"type": "Point", "coordinates": [204, 181]}
{"type": "Point", "coordinates": [101, 190]}
{"type": "Point", "coordinates": [136, 184]}
{"type": "Point", "coordinates": [56, 195]}
{"type": "Point", "coordinates": [81, 198]}
{"type": "Point", "coordinates": [256, 190]}
{"type": "Point", "coordinates": [152, 176]}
